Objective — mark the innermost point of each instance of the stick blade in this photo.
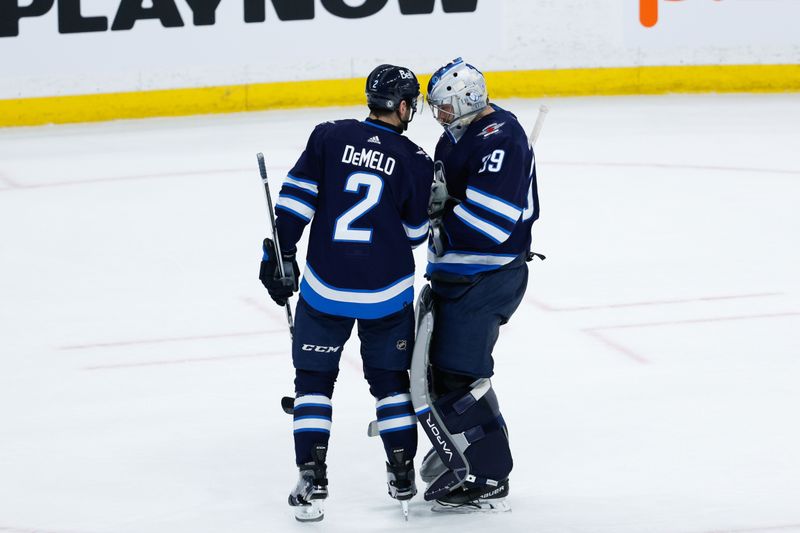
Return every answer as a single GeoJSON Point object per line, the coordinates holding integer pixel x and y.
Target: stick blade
{"type": "Point", "coordinates": [372, 429]}
{"type": "Point", "coordinates": [287, 404]}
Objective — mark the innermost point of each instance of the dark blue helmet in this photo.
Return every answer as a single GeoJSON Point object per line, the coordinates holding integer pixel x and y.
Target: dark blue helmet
{"type": "Point", "coordinates": [388, 85]}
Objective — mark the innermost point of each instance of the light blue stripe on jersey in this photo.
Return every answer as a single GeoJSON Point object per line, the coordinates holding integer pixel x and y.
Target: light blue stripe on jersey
{"type": "Point", "coordinates": [380, 127]}
{"type": "Point", "coordinates": [356, 303]}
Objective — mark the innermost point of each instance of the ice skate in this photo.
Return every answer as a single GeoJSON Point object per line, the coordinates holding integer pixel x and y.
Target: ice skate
{"type": "Point", "coordinates": [483, 499]}
{"type": "Point", "coordinates": [308, 496]}
{"type": "Point", "coordinates": [400, 479]}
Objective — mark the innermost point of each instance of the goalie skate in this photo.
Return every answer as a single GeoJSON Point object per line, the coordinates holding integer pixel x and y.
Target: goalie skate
{"type": "Point", "coordinates": [486, 499]}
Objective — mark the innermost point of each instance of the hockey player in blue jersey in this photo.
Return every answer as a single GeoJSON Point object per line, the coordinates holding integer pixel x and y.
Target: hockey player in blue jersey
{"type": "Point", "coordinates": [364, 188]}
{"type": "Point", "coordinates": [483, 203]}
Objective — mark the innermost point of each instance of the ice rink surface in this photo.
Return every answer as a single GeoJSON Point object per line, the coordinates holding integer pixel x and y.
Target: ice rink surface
{"type": "Point", "coordinates": [650, 379]}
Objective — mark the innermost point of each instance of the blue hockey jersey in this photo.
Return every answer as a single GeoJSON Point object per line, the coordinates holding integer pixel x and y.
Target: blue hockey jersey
{"type": "Point", "coordinates": [364, 187]}
{"type": "Point", "coordinates": [491, 172]}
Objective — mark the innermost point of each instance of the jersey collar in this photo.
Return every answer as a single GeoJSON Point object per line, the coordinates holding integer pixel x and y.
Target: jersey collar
{"type": "Point", "coordinates": [381, 125]}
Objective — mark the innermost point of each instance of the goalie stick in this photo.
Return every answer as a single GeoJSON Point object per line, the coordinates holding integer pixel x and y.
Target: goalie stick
{"type": "Point", "coordinates": [537, 127]}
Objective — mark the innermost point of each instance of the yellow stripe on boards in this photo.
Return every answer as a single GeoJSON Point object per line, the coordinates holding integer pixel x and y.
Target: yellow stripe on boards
{"type": "Point", "coordinates": [318, 93]}
{"type": "Point", "coordinates": [644, 80]}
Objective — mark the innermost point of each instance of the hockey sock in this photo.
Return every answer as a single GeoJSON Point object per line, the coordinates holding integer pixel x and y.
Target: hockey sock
{"type": "Point", "coordinates": [312, 425]}
{"type": "Point", "coordinates": [397, 424]}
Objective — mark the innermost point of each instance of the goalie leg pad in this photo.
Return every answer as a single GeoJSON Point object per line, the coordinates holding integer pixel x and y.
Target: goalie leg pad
{"type": "Point", "coordinates": [471, 416]}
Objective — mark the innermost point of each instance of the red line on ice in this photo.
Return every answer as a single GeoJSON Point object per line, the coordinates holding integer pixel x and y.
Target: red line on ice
{"type": "Point", "coordinates": [29, 530]}
{"type": "Point", "coordinates": [134, 342]}
{"type": "Point", "coordinates": [697, 321]}
{"type": "Point", "coordinates": [593, 332]}
{"type": "Point", "coordinates": [135, 177]}
{"type": "Point", "coordinates": [184, 361]}
{"type": "Point", "coordinates": [616, 346]}
{"type": "Point", "coordinates": [790, 527]}
{"type": "Point", "coordinates": [10, 184]}
{"type": "Point", "coordinates": [277, 314]}
{"type": "Point", "coordinates": [273, 312]}
{"type": "Point", "coordinates": [548, 307]}
{"type": "Point", "coordinates": [670, 166]}
{"type": "Point", "coordinates": [117, 179]}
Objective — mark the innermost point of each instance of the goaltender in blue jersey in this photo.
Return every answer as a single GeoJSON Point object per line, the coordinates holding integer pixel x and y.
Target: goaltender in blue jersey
{"type": "Point", "coordinates": [491, 178]}
{"type": "Point", "coordinates": [364, 189]}
{"type": "Point", "coordinates": [484, 201]}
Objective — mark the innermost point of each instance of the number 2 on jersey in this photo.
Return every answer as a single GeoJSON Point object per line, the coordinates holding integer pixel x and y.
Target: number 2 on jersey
{"type": "Point", "coordinates": [342, 232]}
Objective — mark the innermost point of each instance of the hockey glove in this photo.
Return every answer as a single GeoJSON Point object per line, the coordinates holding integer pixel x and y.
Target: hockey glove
{"type": "Point", "coordinates": [280, 288]}
{"type": "Point", "coordinates": [440, 197]}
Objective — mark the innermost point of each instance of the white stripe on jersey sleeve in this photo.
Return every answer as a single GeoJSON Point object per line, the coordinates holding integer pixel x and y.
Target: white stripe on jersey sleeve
{"type": "Point", "coordinates": [299, 208]}
{"type": "Point", "coordinates": [418, 232]}
{"type": "Point", "coordinates": [528, 213]}
{"type": "Point", "coordinates": [495, 233]}
{"type": "Point", "coordinates": [306, 185]}
{"type": "Point", "coordinates": [494, 204]}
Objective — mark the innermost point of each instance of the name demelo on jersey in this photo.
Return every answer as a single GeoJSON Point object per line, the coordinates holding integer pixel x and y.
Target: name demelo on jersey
{"type": "Point", "coordinates": [369, 158]}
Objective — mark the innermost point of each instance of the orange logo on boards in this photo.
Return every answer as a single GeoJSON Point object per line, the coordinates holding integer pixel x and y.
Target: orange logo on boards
{"type": "Point", "coordinates": [648, 11]}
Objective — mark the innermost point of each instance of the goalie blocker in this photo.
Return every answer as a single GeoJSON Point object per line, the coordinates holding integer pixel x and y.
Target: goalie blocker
{"type": "Point", "coordinates": [465, 425]}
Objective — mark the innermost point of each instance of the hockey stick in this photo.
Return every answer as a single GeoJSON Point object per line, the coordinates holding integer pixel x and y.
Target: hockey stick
{"type": "Point", "coordinates": [537, 127]}
{"type": "Point", "coordinates": [262, 168]}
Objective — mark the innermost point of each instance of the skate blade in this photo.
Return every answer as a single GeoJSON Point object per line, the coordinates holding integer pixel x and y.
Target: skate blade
{"type": "Point", "coordinates": [404, 504]}
{"type": "Point", "coordinates": [312, 512]}
{"type": "Point", "coordinates": [499, 505]}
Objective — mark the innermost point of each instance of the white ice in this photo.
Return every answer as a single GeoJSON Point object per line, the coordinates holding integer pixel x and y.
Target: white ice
{"type": "Point", "coordinates": [650, 379]}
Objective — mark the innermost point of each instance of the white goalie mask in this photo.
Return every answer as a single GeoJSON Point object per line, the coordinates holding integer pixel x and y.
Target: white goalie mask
{"type": "Point", "coordinates": [456, 94]}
